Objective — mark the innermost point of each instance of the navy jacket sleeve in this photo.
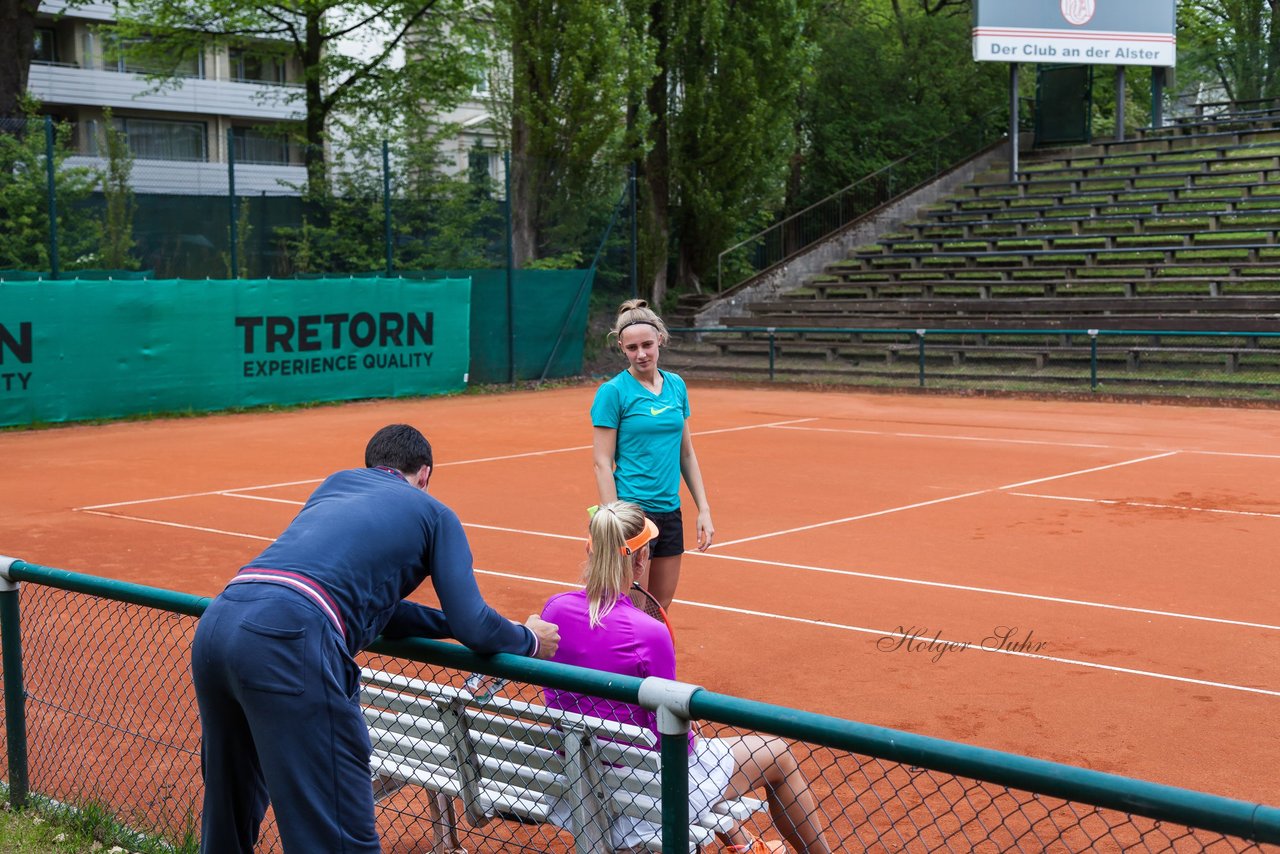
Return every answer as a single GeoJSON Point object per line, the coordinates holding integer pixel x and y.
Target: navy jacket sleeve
{"type": "Point", "coordinates": [411, 620]}
{"type": "Point", "coordinates": [466, 616]}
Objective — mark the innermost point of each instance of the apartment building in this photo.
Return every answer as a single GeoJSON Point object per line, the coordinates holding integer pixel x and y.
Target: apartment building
{"type": "Point", "coordinates": [181, 135]}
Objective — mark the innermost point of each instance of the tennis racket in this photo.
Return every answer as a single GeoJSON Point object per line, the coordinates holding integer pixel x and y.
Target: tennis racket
{"type": "Point", "coordinates": [644, 600]}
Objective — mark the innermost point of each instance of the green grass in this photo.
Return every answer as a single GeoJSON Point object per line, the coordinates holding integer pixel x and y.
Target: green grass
{"type": "Point", "coordinates": [45, 828]}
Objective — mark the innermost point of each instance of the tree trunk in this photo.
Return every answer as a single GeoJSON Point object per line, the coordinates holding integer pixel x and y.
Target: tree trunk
{"type": "Point", "coordinates": [17, 44]}
{"type": "Point", "coordinates": [655, 171]}
{"type": "Point", "coordinates": [316, 109]}
{"type": "Point", "coordinates": [523, 199]}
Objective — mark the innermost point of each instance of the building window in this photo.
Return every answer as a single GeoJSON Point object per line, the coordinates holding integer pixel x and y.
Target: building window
{"type": "Point", "coordinates": [123, 60]}
{"type": "Point", "coordinates": [46, 50]}
{"type": "Point", "coordinates": [254, 146]}
{"type": "Point", "coordinates": [482, 166]}
{"type": "Point", "coordinates": [249, 68]}
{"type": "Point", "coordinates": [157, 139]}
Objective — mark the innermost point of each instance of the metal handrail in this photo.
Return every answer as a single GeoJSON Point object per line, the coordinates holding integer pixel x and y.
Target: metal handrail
{"type": "Point", "coordinates": [887, 169]}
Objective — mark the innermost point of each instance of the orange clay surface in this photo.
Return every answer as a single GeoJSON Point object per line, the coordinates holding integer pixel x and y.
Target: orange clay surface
{"type": "Point", "coordinates": [1132, 548]}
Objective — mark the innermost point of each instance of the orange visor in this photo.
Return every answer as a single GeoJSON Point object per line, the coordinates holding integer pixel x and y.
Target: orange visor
{"type": "Point", "coordinates": [647, 533]}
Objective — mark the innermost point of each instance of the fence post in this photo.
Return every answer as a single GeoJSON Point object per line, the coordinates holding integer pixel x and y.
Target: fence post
{"type": "Point", "coordinates": [50, 173]}
{"type": "Point", "coordinates": [670, 700]}
{"type": "Point", "coordinates": [920, 334]}
{"type": "Point", "coordinates": [233, 212]}
{"type": "Point", "coordinates": [511, 251]}
{"type": "Point", "coordinates": [386, 205]}
{"type": "Point", "coordinates": [15, 695]}
{"type": "Point", "coordinates": [773, 353]}
{"type": "Point", "coordinates": [1093, 360]}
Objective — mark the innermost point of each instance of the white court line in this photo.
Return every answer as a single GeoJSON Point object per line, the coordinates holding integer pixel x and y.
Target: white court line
{"type": "Point", "coordinates": [1090, 471]}
{"type": "Point", "coordinates": [232, 490]}
{"type": "Point", "coordinates": [1057, 600]}
{"type": "Point", "coordinates": [1072, 662]}
{"type": "Point", "coordinates": [1123, 503]}
{"type": "Point", "coordinates": [263, 498]}
{"type": "Point", "coordinates": [965, 438]}
{"type": "Point", "coordinates": [196, 494]}
{"type": "Point", "coordinates": [180, 525]}
{"type": "Point", "coordinates": [937, 501]}
{"type": "Point", "coordinates": [851, 518]}
{"type": "Point", "coordinates": [1008, 441]}
{"type": "Point", "coordinates": [823, 623]}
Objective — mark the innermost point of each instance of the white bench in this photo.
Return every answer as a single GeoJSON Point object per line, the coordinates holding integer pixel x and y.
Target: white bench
{"type": "Point", "coordinates": [512, 759]}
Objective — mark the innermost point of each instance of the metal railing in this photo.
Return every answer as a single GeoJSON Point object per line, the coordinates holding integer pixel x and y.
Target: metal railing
{"type": "Point", "coordinates": [100, 713]}
{"type": "Point", "coordinates": [1228, 362]}
{"type": "Point", "coordinates": [805, 227]}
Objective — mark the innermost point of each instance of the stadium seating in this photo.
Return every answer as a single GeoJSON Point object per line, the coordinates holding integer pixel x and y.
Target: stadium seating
{"type": "Point", "coordinates": [1174, 229]}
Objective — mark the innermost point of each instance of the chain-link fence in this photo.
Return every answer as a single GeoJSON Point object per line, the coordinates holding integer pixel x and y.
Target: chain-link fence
{"type": "Point", "coordinates": [102, 198]}
{"type": "Point", "coordinates": [1240, 365]}
{"type": "Point", "coordinates": [101, 718]}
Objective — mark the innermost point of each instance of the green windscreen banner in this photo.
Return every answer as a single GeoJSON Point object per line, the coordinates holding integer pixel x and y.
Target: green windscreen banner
{"type": "Point", "coordinates": [76, 349]}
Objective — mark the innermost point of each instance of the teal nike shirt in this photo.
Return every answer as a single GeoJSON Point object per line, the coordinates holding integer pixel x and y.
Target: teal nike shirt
{"type": "Point", "coordinates": [650, 427]}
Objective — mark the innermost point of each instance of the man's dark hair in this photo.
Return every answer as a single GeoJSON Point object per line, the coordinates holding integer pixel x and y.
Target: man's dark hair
{"type": "Point", "coordinates": [400, 447]}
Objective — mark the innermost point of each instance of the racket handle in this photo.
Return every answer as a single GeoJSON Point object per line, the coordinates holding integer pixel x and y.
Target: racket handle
{"type": "Point", "coordinates": [483, 687]}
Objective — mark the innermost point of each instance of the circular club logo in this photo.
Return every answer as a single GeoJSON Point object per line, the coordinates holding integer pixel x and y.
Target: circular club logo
{"type": "Point", "coordinates": [1078, 12]}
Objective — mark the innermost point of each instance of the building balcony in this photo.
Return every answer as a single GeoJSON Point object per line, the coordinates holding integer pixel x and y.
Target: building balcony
{"type": "Point", "coordinates": [198, 178]}
{"type": "Point", "coordinates": [61, 84]}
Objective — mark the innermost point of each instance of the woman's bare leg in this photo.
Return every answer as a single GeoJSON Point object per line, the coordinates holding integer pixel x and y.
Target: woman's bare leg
{"type": "Point", "coordinates": [663, 576]}
{"type": "Point", "coordinates": [768, 762]}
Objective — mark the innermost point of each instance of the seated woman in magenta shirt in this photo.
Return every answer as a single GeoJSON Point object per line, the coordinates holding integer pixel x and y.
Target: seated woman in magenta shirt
{"type": "Point", "coordinates": [601, 629]}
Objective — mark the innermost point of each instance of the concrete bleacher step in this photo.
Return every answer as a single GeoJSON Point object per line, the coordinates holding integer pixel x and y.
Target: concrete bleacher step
{"type": "Point", "coordinates": [1168, 232]}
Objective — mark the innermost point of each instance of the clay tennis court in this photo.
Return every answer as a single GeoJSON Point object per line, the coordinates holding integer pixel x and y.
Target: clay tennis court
{"type": "Point", "coordinates": [1124, 555]}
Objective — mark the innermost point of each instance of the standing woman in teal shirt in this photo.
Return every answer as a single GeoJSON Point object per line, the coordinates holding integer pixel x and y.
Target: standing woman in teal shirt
{"type": "Point", "coordinates": [641, 445]}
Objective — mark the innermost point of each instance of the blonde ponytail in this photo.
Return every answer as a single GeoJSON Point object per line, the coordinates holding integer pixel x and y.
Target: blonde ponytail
{"type": "Point", "coordinates": [608, 567]}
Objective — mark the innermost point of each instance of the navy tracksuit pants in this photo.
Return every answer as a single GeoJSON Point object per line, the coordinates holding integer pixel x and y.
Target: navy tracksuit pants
{"type": "Point", "coordinates": [281, 721]}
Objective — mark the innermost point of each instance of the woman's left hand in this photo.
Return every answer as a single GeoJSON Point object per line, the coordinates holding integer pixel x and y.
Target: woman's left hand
{"type": "Point", "coordinates": [706, 530]}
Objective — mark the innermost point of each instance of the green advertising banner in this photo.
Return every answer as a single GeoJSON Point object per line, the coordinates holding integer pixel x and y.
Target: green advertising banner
{"type": "Point", "coordinates": [74, 349]}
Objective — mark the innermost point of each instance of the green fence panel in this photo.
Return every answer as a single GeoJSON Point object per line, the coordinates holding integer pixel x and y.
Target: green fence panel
{"type": "Point", "coordinates": [76, 349]}
{"type": "Point", "coordinates": [543, 301]}
{"type": "Point", "coordinates": [101, 713]}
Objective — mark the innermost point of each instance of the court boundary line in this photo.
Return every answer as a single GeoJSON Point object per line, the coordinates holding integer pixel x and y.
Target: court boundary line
{"type": "Point", "coordinates": [966, 588]}
{"type": "Point", "coordinates": [884, 633]}
{"type": "Point", "coordinates": [237, 489]}
{"type": "Point", "coordinates": [1011, 441]}
{"type": "Point", "coordinates": [1120, 502]}
{"type": "Point", "coordinates": [989, 490]}
{"type": "Point", "coordinates": [849, 573]}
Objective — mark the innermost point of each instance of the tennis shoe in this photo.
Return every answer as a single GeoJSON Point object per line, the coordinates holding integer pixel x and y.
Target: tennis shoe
{"type": "Point", "coordinates": [759, 846]}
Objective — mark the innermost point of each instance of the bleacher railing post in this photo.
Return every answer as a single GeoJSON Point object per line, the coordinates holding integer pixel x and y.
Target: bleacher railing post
{"type": "Point", "coordinates": [920, 335]}
{"type": "Point", "coordinates": [670, 700]}
{"type": "Point", "coordinates": [773, 353]}
{"type": "Point", "coordinates": [15, 695]}
{"type": "Point", "coordinates": [1093, 360]}
{"type": "Point", "coordinates": [50, 171]}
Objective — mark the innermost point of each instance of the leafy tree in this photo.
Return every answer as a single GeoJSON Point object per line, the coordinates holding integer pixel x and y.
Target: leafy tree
{"type": "Point", "coordinates": [736, 70]}
{"type": "Point", "coordinates": [24, 198]}
{"type": "Point", "coordinates": [438, 222]}
{"type": "Point", "coordinates": [116, 242]}
{"type": "Point", "coordinates": [890, 77]}
{"type": "Point", "coordinates": [1232, 44]}
{"type": "Point", "coordinates": [574, 67]}
{"type": "Point", "coordinates": [339, 89]}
